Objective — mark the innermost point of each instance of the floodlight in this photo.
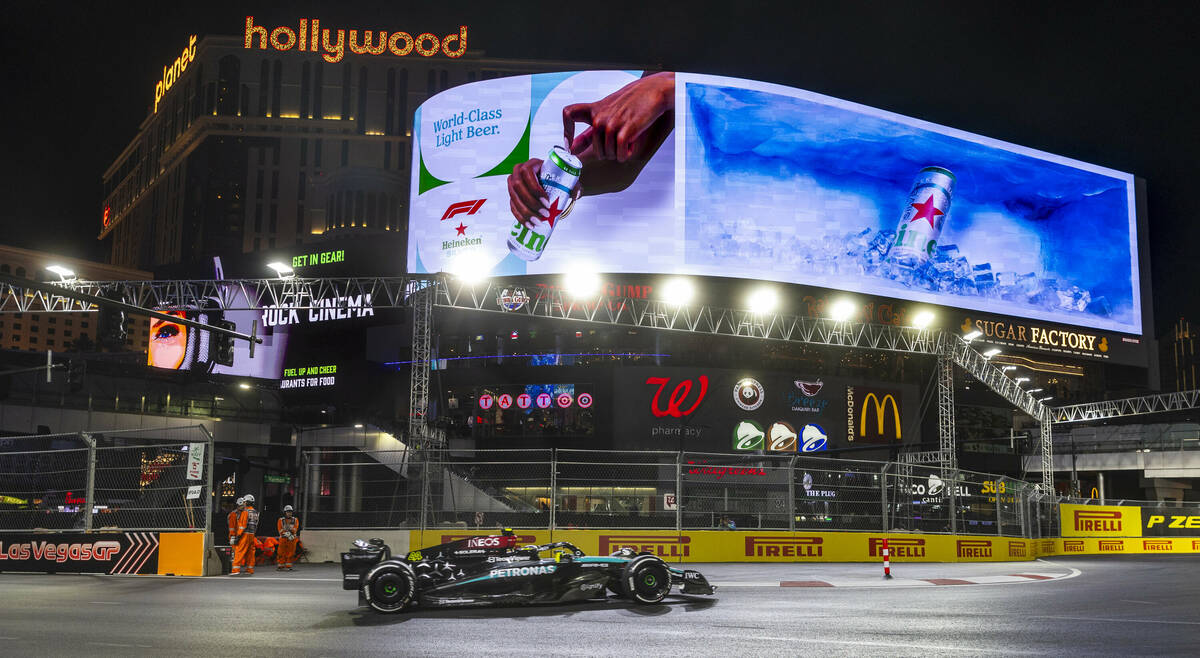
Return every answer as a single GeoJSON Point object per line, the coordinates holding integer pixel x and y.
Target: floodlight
{"type": "Point", "coordinates": [582, 282]}
{"type": "Point", "coordinates": [1021, 379]}
{"type": "Point", "coordinates": [992, 352]}
{"type": "Point", "coordinates": [63, 273]}
{"type": "Point", "coordinates": [678, 292]}
{"type": "Point", "coordinates": [841, 310]}
{"type": "Point", "coordinates": [763, 300]}
{"type": "Point", "coordinates": [922, 319]}
{"type": "Point", "coordinates": [972, 335]}
{"type": "Point", "coordinates": [244, 386]}
{"type": "Point", "coordinates": [282, 270]}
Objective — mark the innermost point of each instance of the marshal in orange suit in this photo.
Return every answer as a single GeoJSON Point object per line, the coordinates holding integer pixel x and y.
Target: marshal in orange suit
{"type": "Point", "coordinates": [244, 547]}
{"type": "Point", "coordinates": [289, 537]}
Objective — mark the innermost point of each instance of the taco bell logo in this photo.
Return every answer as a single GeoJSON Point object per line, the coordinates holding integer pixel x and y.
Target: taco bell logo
{"type": "Point", "coordinates": [813, 439]}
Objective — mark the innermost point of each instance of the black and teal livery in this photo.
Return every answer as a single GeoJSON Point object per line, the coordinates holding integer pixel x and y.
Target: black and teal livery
{"type": "Point", "coordinates": [493, 570]}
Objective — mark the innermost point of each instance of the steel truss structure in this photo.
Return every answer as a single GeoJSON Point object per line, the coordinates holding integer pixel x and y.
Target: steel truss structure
{"type": "Point", "coordinates": [423, 292]}
{"type": "Point", "coordinates": [1148, 404]}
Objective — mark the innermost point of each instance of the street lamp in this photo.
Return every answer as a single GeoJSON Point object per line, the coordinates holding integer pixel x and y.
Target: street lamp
{"type": "Point", "coordinates": [282, 270]}
{"type": "Point", "coordinates": [63, 273]}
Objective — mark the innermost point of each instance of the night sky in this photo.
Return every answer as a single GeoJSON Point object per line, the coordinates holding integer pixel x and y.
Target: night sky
{"type": "Point", "coordinates": [1111, 84]}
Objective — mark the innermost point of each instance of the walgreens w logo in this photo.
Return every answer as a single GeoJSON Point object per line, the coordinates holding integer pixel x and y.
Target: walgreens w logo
{"type": "Point", "coordinates": [468, 207]}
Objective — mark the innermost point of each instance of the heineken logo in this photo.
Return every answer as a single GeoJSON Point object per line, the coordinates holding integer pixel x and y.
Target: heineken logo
{"type": "Point", "coordinates": [465, 242]}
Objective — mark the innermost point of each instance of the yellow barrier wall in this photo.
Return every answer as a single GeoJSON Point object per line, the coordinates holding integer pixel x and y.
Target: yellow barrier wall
{"type": "Point", "coordinates": [770, 546]}
{"type": "Point", "coordinates": [1100, 521]}
{"type": "Point", "coordinates": [181, 553]}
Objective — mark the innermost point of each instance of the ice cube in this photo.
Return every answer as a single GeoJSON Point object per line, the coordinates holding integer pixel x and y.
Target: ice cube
{"type": "Point", "coordinates": [1100, 306]}
{"type": "Point", "coordinates": [946, 252]}
{"type": "Point", "coordinates": [1074, 298]}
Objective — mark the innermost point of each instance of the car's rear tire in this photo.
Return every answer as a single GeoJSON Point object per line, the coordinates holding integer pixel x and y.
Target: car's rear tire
{"type": "Point", "coordinates": [646, 579]}
{"type": "Point", "coordinates": [389, 586]}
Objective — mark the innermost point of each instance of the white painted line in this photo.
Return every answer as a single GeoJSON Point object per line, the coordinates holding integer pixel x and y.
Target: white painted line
{"type": "Point", "coordinates": [1119, 621]}
{"type": "Point", "coordinates": [106, 602]}
{"type": "Point", "coordinates": [859, 643]}
{"type": "Point", "coordinates": [1132, 601]}
{"type": "Point", "coordinates": [253, 578]}
{"type": "Point", "coordinates": [113, 644]}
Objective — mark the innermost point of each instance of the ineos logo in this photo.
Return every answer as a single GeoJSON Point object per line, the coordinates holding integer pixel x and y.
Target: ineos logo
{"type": "Point", "coordinates": [678, 396]}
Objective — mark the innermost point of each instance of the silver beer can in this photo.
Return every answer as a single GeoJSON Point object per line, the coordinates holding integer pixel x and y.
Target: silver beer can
{"type": "Point", "coordinates": [559, 174]}
{"type": "Point", "coordinates": [923, 218]}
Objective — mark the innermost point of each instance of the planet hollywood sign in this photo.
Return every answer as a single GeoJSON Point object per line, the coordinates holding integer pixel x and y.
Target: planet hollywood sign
{"type": "Point", "coordinates": [310, 37]}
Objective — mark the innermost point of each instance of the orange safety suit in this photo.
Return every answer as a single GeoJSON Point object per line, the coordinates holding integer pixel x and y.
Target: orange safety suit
{"type": "Point", "coordinates": [232, 520]}
{"type": "Point", "coordinates": [285, 555]}
{"type": "Point", "coordinates": [243, 550]}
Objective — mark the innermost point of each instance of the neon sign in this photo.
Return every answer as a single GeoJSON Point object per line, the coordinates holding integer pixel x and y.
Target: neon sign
{"type": "Point", "coordinates": [170, 74]}
{"type": "Point", "coordinates": [310, 38]}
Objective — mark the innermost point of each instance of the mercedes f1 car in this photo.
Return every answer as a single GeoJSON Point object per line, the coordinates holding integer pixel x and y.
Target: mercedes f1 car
{"type": "Point", "coordinates": [494, 570]}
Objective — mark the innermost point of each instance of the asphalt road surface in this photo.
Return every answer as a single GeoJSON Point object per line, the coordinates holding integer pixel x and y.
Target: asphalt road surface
{"type": "Point", "coordinates": [1110, 606]}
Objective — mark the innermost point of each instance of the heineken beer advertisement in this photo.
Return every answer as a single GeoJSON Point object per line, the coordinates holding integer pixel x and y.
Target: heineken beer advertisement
{"type": "Point", "coordinates": [704, 175]}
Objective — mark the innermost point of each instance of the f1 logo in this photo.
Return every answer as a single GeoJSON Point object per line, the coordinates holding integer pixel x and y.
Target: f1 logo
{"type": "Point", "coordinates": [468, 207]}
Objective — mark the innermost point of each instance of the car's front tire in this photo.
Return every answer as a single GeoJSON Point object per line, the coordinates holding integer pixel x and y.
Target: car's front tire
{"type": "Point", "coordinates": [646, 579]}
{"type": "Point", "coordinates": [389, 586]}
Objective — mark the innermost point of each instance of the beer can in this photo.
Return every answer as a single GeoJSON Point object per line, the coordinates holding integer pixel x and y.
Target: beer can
{"type": "Point", "coordinates": [923, 217]}
{"type": "Point", "coordinates": [559, 174]}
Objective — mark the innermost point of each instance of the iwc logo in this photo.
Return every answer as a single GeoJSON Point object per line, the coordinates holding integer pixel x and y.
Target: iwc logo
{"type": "Point", "coordinates": [748, 394]}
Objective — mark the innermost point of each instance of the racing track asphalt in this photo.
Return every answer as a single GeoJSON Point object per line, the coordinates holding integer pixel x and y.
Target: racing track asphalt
{"type": "Point", "coordinates": [1113, 606]}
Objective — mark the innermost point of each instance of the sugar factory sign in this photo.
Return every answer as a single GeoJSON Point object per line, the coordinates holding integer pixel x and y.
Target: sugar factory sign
{"type": "Point", "coordinates": [310, 37]}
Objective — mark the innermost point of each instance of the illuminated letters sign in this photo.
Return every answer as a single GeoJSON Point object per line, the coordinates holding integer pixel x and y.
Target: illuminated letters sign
{"type": "Point", "coordinates": [524, 400]}
{"type": "Point", "coordinates": [170, 74]}
{"type": "Point", "coordinates": [107, 219]}
{"type": "Point", "coordinates": [1040, 337]}
{"type": "Point", "coordinates": [565, 400]}
{"type": "Point", "coordinates": [332, 44]}
{"type": "Point", "coordinates": [585, 400]}
{"type": "Point", "coordinates": [873, 406]}
{"type": "Point", "coordinates": [505, 401]}
{"type": "Point", "coordinates": [544, 400]}
{"type": "Point", "coordinates": [678, 396]}
{"type": "Point", "coordinates": [486, 401]}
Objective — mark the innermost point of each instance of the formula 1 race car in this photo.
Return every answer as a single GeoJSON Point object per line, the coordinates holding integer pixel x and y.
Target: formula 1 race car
{"type": "Point", "coordinates": [493, 570]}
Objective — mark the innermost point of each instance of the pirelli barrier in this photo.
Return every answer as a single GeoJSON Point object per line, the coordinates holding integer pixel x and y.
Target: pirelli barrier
{"type": "Point", "coordinates": [125, 553]}
{"type": "Point", "coordinates": [768, 546]}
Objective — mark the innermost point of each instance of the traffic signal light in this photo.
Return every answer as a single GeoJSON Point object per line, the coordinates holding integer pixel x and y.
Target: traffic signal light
{"type": "Point", "coordinates": [223, 343]}
{"type": "Point", "coordinates": [75, 372]}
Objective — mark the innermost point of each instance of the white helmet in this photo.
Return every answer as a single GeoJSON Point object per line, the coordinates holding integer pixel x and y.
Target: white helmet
{"type": "Point", "coordinates": [288, 508]}
{"type": "Point", "coordinates": [241, 501]}
{"type": "Point", "coordinates": [249, 498]}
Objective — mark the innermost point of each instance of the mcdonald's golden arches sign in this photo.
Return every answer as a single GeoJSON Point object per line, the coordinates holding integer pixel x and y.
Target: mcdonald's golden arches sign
{"type": "Point", "coordinates": [872, 415]}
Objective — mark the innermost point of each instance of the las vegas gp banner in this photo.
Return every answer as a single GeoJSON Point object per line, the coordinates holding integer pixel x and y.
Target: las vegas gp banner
{"type": "Point", "coordinates": [108, 553]}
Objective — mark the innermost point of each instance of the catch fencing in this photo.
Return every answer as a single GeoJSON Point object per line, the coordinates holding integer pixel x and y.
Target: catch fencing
{"type": "Point", "coordinates": [143, 480]}
{"type": "Point", "coordinates": [570, 489]}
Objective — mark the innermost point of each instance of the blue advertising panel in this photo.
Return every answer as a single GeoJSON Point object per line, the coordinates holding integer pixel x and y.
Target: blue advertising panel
{"type": "Point", "coordinates": [705, 175]}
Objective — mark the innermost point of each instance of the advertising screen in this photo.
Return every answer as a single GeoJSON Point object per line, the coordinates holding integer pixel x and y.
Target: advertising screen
{"type": "Point", "coordinates": [705, 175]}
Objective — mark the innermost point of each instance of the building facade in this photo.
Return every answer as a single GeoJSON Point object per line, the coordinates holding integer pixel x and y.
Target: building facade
{"type": "Point", "coordinates": [253, 148]}
{"type": "Point", "coordinates": [60, 332]}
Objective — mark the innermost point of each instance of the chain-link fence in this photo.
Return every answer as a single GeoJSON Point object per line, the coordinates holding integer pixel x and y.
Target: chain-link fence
{"type": "Point", "coordinates": [123, 480]}
{"type": "Point", "coordinates": [567, 489]}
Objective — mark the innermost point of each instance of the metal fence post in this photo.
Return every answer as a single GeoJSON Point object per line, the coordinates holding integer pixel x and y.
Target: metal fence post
{"type": "Point", "coordinates": [679, 491]}
{"type": "Point", "coordinates": [999, 522]}
{"type": "Point", "coordinates": [883, 497]}
{"type": "Point", "coordinates": [791, 504]}
{"type": "Point", "coordinates": [553, 486]}
{"type": "Point", "coordinates": [89, 496]}
{"type": "Point", "coordinates": [425, 502]}
{"type": "Point", "coordinates": [954, 503]}
{"type": "Point", "coordinates": [210, 496]}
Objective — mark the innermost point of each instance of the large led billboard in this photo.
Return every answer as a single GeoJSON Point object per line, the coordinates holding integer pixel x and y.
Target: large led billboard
{"type": "Point", "coordinates": [705, 175]}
